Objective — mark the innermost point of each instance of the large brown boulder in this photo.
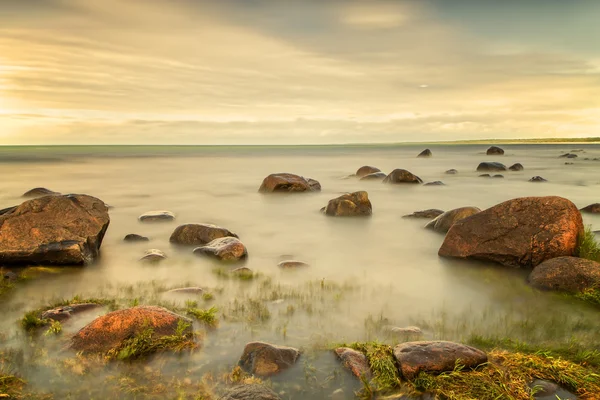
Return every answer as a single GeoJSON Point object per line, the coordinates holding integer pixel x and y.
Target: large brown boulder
{"type": "Point", "coordinates": [109, 331]}
{"type": "Point", "coordinates": [198, 234]}
{"type": "Point", "coordinates": [266, 359]}
{"type": "Point", "coordinates": [435, 357]}
{"type": "Point", "coordinates": [444, 222]}
{"type": "Point", "coordinates": [252, 391]}
{"type": "Point", "coordinates": [355, 204]}
{"type": "Point", "coordinates": [284, 182]}
{"type": "Point", "coordinates": [354, 361]}
{"type": "Point", "coordinates": [224, 249]}
{"type": "Point", "coordinates": [521, 232]}
{"type": "Point", "coordinates": [366, 170]}
{"type": "Point", "coordinates": [592, 208]}
{"type": "Point", "coordinates": [54, 230]}
{"type": "Point", "coordinates": [402, 176]}
{"type": "Point", "coordinates": [566, 274]}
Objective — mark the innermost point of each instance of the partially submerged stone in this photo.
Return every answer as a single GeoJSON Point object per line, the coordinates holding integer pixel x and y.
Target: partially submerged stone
{"type": "Point", "coordinates": [375, 176]}
{"type": "Point", "coordinates": [497, 176]}
{"type": "Point", "coordinates": [592, 208]}
{"type": "Point", "coordinates": [537, 179]}
{"type": "Point", "coordinates": [224, 249]}
{"type": "Point", "coordinates": [39, 192]}
{"type": "Point", "coordinates": [521, 232]}
{"type": "Point", "coordinates": [292, 264]}
{"type": "Point", "coordinates": [435, 357]}
{"type": "Point", "coordinates": [251, 391]}
{"type": "Point", "coordinates": [153, 256]}
{"type": "Point", "coordinates": [494, 151]}
{"type": "Point", "coordinates": [354, 361]}
{"type": "Point", "coordinates": [425, 153]}
{"type": "Point", "coordinates": [288, 183]}
{"type": "Point", "coordinates": [355, 204]}
{"type": "Point", "coordinates": [407, 330]}
{"type": "Point", "coordinates": [434, 183]}
{"type": "Point", "coordinates": [132, 237]}
{"type": "Point", "coordinates": [157, 216]}
{"type": "Point", "coordinates": [400, 176]}
{"type": "Point", "coordinates": [366, 170]}
{"type": "Point", "coordinates": [187, 290]}
{"type": "Point", "coordinates": [199, 234]}
{"type": "Point", "coordinates": [516, 167]}
{"type": "Point", "coordinates": [452, 172]}
{"type": "Point", "coordinates": [63, 313]}
{"type": "Point", "coordinates": [429, 214]}
{"type": "Point", "coordinates": [264, 359]}
{"type": "Point", "coordinates": [566, 274]}
{"type": "Point", "coordinates": [110, 331]}
{"type": "Point", "coordinates": [568, 155]}
{"type": "Point", "coordinates": [444, 222]}
{"type": "Point", "coordinates": [491, 166]}
{"type": "Point", "coordinates": [53, 230]}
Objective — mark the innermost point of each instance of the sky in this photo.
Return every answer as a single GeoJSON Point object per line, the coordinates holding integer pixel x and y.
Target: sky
{"type": "Point", "coordinates": [297, 71]}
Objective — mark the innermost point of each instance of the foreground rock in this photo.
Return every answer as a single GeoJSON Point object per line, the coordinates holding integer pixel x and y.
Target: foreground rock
{"type": "Point", "coordinates": [435, 357]}
{"type": "Point", "coordinates": [355, 204]}
{"type": "Point", "coordinates": [566, 274]}
{"type": "Point", "coordinates": [491, 166]}
{"type": "Point", "coordinates": [264, 359]}
{"type": "Point", "coordinates": [354, 361]}
{"type": "Point", "coordinates": [494, 151]}
{"type": "Point", "coordinates": [224, 249]}
{"type": "Point", "coordinates": [516, 167]}
{"type": "Point", "coordinates": [198, 234]}
{"type": "Point", "coordinates": [39, 192]}
{"type": "Point", "coordinates": [53, 230]}
{"type": "Point", "coordinates": [153, 256]}
{"type": "Point", "coordinates": [402, 176]}
{"type": "Point", "coordinates": [292, 264]}
{"type": "Point", "coordinates": [537, 179]}
{"type": "Point", "coordinates": [429, 214]}
{"type": "Point", "coordinates": [425, 153]}
{"type": "Point", "coordinates": [521, 232]}
{"type": "Point", "coordinates": [157, 216]}
{"type": "Point", "coordinates": [132, 237]}
{"type": "Point", "coordinates": [444, 222]}
{"type": "Point", "coordinates": [252, 391]}
{"type": "Point", "coordinates": [366, 170]}
{"type": "Point", "coordinates": [375, 176]}
{"type": "Point", "coordinates": [284, 182]}
{"type": "Point", "coordinates": [110, 331]}
{"type": "Point", "coordinates": [592, 208]}
{"type": "Point", "coordinates": [63, 313]}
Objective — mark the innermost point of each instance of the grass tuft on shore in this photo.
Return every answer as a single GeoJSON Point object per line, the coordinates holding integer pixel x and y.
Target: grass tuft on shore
{"type": "Point", "coordinates": [587, 246]}
{"type": "Point", "coordinates": [208, 317]}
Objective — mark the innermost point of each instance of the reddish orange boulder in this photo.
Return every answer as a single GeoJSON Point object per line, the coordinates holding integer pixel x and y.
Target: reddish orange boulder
{"type": "Point", "coordinates": [355, 361]}
{"type": "Point", "coordinates": [284, 182]}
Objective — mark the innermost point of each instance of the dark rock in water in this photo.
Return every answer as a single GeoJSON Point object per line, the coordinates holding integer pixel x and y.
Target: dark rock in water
{"type": "Point", "coordinates": [354, 361]}
{"type": "Point", "coordinates": [53, 230]}
{"type": "Point", "coordinates": [402, 176]}
{"type": "Point", "coordinates": [187, 290]}
{"type": "Point", "coordinates": [9, 276]}
{"type": "Point", "coordinates": [516, 167]}
{"type": "Point", "coordinates": [452, 172]}
{"type": "Point", "coordinates": [374, 176]}
{"type": "Point", "coordinates": [434, 183]}
{"type": "Point", "coordinates": [544, 388]}
{"type": "Point", "coordinates": [494, 151]}
{"type": "Point", "coordinates": [569, 163]}
{"type": "Point", "coordinates": [292, 264]}
{"type": "Point", "coordinates": [264, 359]}
{"type": "Point", "coordinates": [435, 357]}
{"type": "Point", "coordinates": [537, 179]}
{"type": "Point", "coordinates": [425, 153]}
{"type": "Point", "coordinates": [251, 391]}
{"type": "Point", "coordinates": [110, 331]}
{"type": "Point", "coordinates": [578, 151]}
{"type": "Point", "coordinates": [153, 256]}
{"type": "Point", "coordinates": [157, 216]}
{"type": "Point", "coordinates": [566, 274]}
{"type": "Point", "coordinates": [39, 192]}
{"type": "Point", "coordinates": [491, 166]}
{"type": "Point", "coordinates": [522, 232]}
{"type": "Point", "coordinates": [485, 176]}
{"type": "Point", "coordinates": [224, 249]}
{"type": "Point", "coordinates": [199, 234]}
{"type": "Point", "coordinates": [498, 176]}
{"type": "Point", "coordinates": [132, 237]}
{"type": "Point", "coordinates": [592, 208]}
{"type": "Point", "coordinates": [444, 222]}
{"type": "Point", "coordinates": [65, 312]}
{"type": "Point", "coordinates": [288, 183]}
{"type": "Point", "coordinates": [430, 214]}
{"type": "Point", "coordinates": [355, 204]}
{"type": "Point", "coordinates": [568, 155]}
{"type": "Point", "coordinates": [366, 170]}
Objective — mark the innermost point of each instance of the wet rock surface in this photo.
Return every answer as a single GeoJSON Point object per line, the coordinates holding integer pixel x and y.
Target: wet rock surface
{"type": "Point", "coordinates": [537, 179]}
{"type": "Point", "coordinates": [53, 230]}
{"type": "Point", "coordinates": [375, 176]}
{"type": "Point", "coordinates": [521, 232]}
{"type": "Point", "coordinates": [264, 359]}
{"type": "Point", "coordinates": [355, 204]}
{"type": "Point", "coordinates": [434, 183]}
{"type": "Point", "coordinates": [198, 234]}
{"type": "Point", "coordinates": [132, 238]}
{"type": "Point", "coordinates": [63, 313]}
{"type": "Point", "coordinates": [568, 155]}
{"type": "Point", "coordinates": [429, 214]}
{"type": "Point", "coordinates": [399, 176]}
{"type": "Point", "coordinates": [292, 264]}
{"type": "Point", "coordinates": [354, 361]}
{"type": "Point", "coordinates": [451, 172]}
{"type": "Point", "coordinates": [250, 392]}
{"type": "Point", "coordinates": [153, 256]}
{"type": "Point", "coordinates": [494, 151]}
{"type": "Point", "coordinates": [425, 153]}
{"type": "Point", "coordinates": [491, 166]}
{"type": "Point", "coordinates": [435, 357]}
{"type": "Point", "coordinates": [566, 274]}
{"type": "Point", "coordinates": [444, 222]}
{"type": "Point", "coordinates": [288, 183]}
{"type": "Point", "coordinates": [224, 249]}
{"type": "Point", "coordinates": [516, 167]}
{"type": "Point", "coordinates": [157, 216]}
{"type": "Point", "coordinates": [366, 170]}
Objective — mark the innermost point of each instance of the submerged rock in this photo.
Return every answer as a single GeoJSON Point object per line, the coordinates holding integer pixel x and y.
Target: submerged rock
{"type": "Point", "coordinates": [444, 222]}
{"type": "Point", "coordinates": [153, 256]}
{"type": "Point", "coordinates": [537, 179]}
{"type": "Point", "coordinates": [494, 151]}
{"type": "Point", "coordinates": [521, 232]}
{"type": "Point", "coordinates": [289, 183]}
{"type": "Point", "coordinates": [498, 176]}
{"type": "Point", "coordinates": [485, 176]}
{"type": "Point", "coordinates": [566, 274]}
{"type": "Point", "coordinates": [402, 176]}
{"type": "Point", "coordinates": [252, 391]}
{"type": "Point", "coordinates": [452, 172]}
{"type": "Point", "coordinates": [63, 313]}
{"type": "Point", "coordinates": [355, 204]}
{"type": "Point", "coordinates": [435, 183]}
{"type": "Point", "coordinates": [516, 167]}
{"type": "Point", "coordinates": [354, 361]}
{"type": "Point", "coordinates": [110, 331]}
{"type": "Point", "coordinates": [425, 153]}
{"type": "Point", "coordinates": [132, 237]}
{"type": "Point", "coordinates": [264, 359]}
{"type": "Point", "coordinates": [366, 170]}
{"type": "Point", "coordinates": [198, 234]}
{"type": "Point", "coordinates": [375, 176]}
{"type": "Point", "coordinates": [53, 230]}
{"type": "Point", "coordinates": [491, 166]}
{"type": "Point", "coordinates": [9, 276]}
{"type": "Point", "coordinates": [187, 290]}
{"type": "Point", "coordinates": [435, 357]}
{"type": "Point", "coordinates": [157, 216]}
{"type": "Point", "coordinates": [429, 214]}
{"type": "Point", "coordinates": [568, 155]}
{"type": "Point", "coordinates": [292, 264]}
{"type": "Point", "coordinates": [592, 208]}
{"type": "Point", "coordinates": [224, 249]}
{"type": "Point", "coordinates": [408, 330]}
{"type": "Point", "coordinates": [39, 192]}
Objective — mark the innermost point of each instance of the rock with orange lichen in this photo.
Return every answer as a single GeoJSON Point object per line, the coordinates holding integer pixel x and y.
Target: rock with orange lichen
{"type": "Point", "coordinates": [112, 330]}
{"type": "Point", "coordinates": [355, 361]}
{"type": "Point", "coordinates": [566, 274]}
{"type": "Point", "coordinates": [284, 182]}
{"type": "Point", "coordinates": [522, 232]}
{"type": "Point", "coordinates": [53, 230]}
{"type": "Point", "coordinates": [264, 359]}
{"type": "Point", "coordinates": [355, 204]}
